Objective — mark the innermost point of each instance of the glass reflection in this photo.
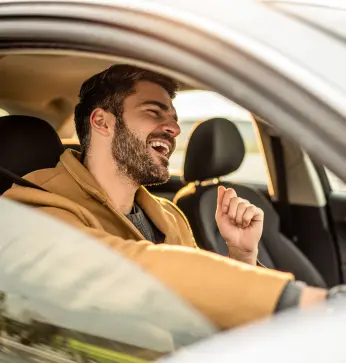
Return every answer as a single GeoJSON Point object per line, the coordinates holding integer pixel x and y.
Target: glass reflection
{"type": "Point", "coordinates": [67, 298]}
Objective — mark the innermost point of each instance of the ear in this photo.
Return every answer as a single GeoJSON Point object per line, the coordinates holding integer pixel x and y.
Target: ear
{"type": "Point", "coordinates": [102, 122]}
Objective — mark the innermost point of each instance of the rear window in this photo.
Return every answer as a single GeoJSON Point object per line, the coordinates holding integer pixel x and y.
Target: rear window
{"type": "Point", "coordinates": [194, 107]}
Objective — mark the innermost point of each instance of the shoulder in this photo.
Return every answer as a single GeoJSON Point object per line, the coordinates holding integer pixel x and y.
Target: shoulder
{"type": "Point", "coordinates": [38, 177]}
{"type": "Point", "coordinates": [58, 181]}
{"type": "Point", "coordinates": [43, 176]}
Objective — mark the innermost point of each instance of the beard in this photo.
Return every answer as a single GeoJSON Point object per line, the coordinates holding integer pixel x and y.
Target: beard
{"type": "Point", "coordinates": [133, 159]}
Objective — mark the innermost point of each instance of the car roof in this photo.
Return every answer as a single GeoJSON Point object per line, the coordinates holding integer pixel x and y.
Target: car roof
{"type": "Point", "coordinates": [244, 30]}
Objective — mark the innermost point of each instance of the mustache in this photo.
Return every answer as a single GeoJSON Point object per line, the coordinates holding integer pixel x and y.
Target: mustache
{"type": "Point", "coordinates": [164, 136]}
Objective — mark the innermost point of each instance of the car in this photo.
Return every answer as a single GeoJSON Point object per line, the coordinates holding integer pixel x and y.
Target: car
{"type": "Point", "coordinates": [281, 66]}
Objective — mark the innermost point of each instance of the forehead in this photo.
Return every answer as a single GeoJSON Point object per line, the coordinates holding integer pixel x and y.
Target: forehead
{"type": "Point", "coordinates": [145, 91]}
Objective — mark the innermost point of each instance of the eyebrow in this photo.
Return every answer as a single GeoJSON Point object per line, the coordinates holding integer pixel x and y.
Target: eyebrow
{"type": "Point", "coordinates": [161, 105]}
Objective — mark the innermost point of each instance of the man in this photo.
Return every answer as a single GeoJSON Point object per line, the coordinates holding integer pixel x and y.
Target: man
{"type": "Point", "coordinates": [127, 126]}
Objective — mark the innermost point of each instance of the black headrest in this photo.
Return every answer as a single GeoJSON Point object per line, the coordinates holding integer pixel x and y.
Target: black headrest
{"type": "Point", "coordinates": [215, 148]}
{"type": "Point", "coordinates": [27, 144]}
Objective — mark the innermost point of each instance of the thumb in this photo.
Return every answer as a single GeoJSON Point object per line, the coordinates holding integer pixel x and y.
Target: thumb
{"type": "Point", "coordinates": [220, 194]}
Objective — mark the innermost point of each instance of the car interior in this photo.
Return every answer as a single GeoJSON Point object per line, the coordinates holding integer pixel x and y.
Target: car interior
{"type": "Point", "coordinates": [304, 229]}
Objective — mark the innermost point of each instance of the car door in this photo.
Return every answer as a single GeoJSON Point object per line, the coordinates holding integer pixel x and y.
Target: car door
{"type": "Point", "coordinates": [335, 191]}
{"type": "Point", "coordinates": [64, 297]}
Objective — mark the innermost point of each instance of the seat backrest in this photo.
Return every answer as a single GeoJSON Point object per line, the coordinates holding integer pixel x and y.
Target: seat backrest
{"type": "Point", "coordinates": [27, 144]}
{"type": "Point", "coordinates": [215, 149]}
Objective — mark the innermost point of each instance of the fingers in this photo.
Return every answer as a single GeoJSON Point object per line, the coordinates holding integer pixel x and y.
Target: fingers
{"type": "Point", "coordinates": [229, 195]}
{"type": "Point", "coordinates": [240, 211]}
{"type": "Point", "coordinates": [220, 194]}
{"type": "Point", "coordinates": [237, 209]}
{"type": "Point", "coordinates": [248, 215]}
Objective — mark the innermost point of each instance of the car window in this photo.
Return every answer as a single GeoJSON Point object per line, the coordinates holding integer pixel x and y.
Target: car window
{"type": "Point", "coordinates": [336, 184]}
{"type": "Point", "coordinates": [65, 297]}
{"type": "Point", "coordinates": [194, 107]}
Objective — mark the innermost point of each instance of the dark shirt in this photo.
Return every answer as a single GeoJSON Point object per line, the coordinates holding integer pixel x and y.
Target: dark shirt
{"type": "Point", "coordinates": [290, 297]}
{"type": "Point", "coordinates": [148, 229]}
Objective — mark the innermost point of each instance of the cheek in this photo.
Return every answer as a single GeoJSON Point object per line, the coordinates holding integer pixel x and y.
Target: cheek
{"type": "Point", "coordinates": [140, 134]}
{"type": "Point", "coordinates": [141, 126]}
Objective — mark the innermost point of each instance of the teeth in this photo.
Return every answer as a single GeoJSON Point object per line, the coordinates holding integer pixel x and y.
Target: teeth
{"type": "Point", "coordinates": [159, 143]}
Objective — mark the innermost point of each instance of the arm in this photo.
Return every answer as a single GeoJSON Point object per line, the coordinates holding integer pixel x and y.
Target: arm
{"type": "Point", "coordinates": [244, 293]}
{"type": "Point", "coordinates": [295, 294]}
{"type": "Point", "coordinates": [298, 294]}
{"type": "Point", "coordinates": [227, 292]}
{"type": "Point", "coordinates": [241, 293]}
{"type": "Point", "coordinates": [311, 296]}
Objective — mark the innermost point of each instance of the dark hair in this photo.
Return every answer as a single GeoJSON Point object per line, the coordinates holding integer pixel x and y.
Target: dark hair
{"type": "Point", "coordinates": [108, 90]}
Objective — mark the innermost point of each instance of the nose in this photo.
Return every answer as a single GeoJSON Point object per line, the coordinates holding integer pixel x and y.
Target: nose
{"type": "Point", "coordinates": [172, 128]}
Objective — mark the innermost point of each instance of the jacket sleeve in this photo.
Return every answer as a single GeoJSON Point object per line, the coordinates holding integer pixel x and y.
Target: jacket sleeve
{"type": "Point", "coordinates": [227, 292]}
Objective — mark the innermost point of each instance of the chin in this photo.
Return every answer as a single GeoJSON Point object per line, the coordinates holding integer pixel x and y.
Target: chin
{"type": "Point", "coordinates": [161, 161]}
{"type": "Point", "coordinates": [155, 183]}
{"type": "Point", "coordinates": [158, 177]}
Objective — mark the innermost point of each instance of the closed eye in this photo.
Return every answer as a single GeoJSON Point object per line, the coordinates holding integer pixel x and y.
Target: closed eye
{"type": "Point", "coordinates": [155, 112]}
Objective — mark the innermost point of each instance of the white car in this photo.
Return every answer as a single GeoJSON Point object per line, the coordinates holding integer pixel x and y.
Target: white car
{"type": "Point", "coordinates": [64, 297]}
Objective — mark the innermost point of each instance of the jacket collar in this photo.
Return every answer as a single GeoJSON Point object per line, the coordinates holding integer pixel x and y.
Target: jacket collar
{"type": "Point", "coordinates": [70, 159]}
{"type": "Point", "coordinates": [162, 219]}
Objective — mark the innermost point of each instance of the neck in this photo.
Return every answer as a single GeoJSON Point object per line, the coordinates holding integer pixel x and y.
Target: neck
{"type": "Point", "coordinates": [119, 188]}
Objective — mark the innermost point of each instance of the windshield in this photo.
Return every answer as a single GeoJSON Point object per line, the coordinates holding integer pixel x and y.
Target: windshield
{"type": "Point", "coordinates": [65, 297]}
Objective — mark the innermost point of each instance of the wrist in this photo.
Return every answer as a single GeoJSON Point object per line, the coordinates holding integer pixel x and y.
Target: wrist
{"type": "Point", "coordinates": [337, 292]}
{"type": "Point", "coordinates": [312, 296]}
{"type": "Point", "coordinates": [249, 257]}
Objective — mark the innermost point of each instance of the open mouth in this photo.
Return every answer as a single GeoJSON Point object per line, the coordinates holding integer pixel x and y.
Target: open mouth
{"type": "Point", "coordinates": [160, 147]}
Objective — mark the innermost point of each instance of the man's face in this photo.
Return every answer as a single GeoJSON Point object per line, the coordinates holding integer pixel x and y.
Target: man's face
{"type": "Point", "coordinates": [144, 139]}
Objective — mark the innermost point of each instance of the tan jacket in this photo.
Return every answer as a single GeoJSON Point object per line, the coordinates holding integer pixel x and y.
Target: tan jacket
{"type": "Point", "coordinates": [227, 292]}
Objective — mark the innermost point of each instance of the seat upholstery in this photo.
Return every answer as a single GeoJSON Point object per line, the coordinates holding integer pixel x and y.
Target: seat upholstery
{"type": "Point", "coordinates": [215, 149]}
{"type": "Point", "coordinates": [27, 144]}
